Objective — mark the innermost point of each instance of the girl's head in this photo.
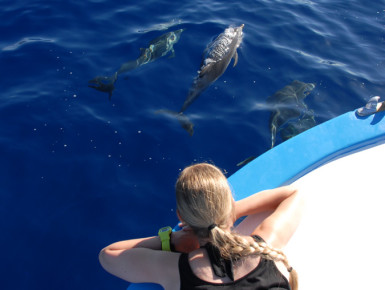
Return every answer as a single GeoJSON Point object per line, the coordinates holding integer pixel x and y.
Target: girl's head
{"type": "Point", "coordinates": [204, 198]}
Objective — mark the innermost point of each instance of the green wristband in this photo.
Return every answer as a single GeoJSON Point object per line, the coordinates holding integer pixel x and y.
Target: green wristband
{"type": "Point", "coordinates": [165, 236]}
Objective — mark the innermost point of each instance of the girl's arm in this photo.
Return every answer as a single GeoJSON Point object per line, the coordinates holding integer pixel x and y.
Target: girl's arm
{"type": "Point", "coordinates": [140, 261]}
{"type": "Point", "coordinates": [183, 241]}
{"type": "Point", "coordinates": [153, 243]}
{"type": "Point", "coordinates": [272, 214]}
{"type": "Point", "coordinates": [267, 200]}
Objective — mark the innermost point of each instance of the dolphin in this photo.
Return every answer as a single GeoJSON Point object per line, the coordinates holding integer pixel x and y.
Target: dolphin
{"type": "Point", "coordinates": [216, 58]}
{"type": "Point", "coordinates": [290, 115]}
{"type": "Point", "coordinates": [157, 48]}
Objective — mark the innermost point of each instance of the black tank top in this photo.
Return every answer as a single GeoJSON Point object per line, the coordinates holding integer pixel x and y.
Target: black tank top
{"type": "Point", "coordinates": [265, 276]}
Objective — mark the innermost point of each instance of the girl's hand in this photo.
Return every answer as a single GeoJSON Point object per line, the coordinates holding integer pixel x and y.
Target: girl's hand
{"type": "Point", "coordinates": [184, 241]}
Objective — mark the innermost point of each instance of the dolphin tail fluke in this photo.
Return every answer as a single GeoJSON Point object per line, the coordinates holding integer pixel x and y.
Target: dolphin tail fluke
{"type": "Point", "coordinates": [104, 84]}
{"type": "Point", "coordinates": [182, 118]}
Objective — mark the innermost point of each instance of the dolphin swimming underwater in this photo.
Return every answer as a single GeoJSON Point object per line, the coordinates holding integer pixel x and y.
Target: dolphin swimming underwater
{"type": "Point", "coordinates": [290, 115]}
{"type": "Point", "coordinates": [157, 48]}
{"type": "Point", "coordinates": [216, 58]}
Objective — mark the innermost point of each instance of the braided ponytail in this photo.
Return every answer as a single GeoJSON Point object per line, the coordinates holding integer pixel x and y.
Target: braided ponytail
{"type": "Point", "coordinates": [233, 246]}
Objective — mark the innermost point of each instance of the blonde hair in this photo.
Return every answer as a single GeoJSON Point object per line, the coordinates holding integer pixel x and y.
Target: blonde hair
{"type": "Point", "coordinates": [204, 202]}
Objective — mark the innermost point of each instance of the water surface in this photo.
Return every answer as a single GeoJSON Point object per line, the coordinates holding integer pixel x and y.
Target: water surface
{"type": "Point", "coordinates": [79, 171]}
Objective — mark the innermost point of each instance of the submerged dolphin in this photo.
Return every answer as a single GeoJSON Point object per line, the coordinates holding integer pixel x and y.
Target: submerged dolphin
{"type": "Point", "coordinates": [157, 48]}
{"type": "Point", "coordinates": [290, 115]}
{"type": "Point", "coordinates": [216, 58]}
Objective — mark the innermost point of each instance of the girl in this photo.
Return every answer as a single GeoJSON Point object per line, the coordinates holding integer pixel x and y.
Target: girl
{"type": "Point", "coordinates": [209, 252]}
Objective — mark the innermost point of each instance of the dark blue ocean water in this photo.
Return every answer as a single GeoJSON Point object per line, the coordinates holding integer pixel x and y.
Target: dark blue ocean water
{"type": "Point", "coordinates": [78, 171]}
